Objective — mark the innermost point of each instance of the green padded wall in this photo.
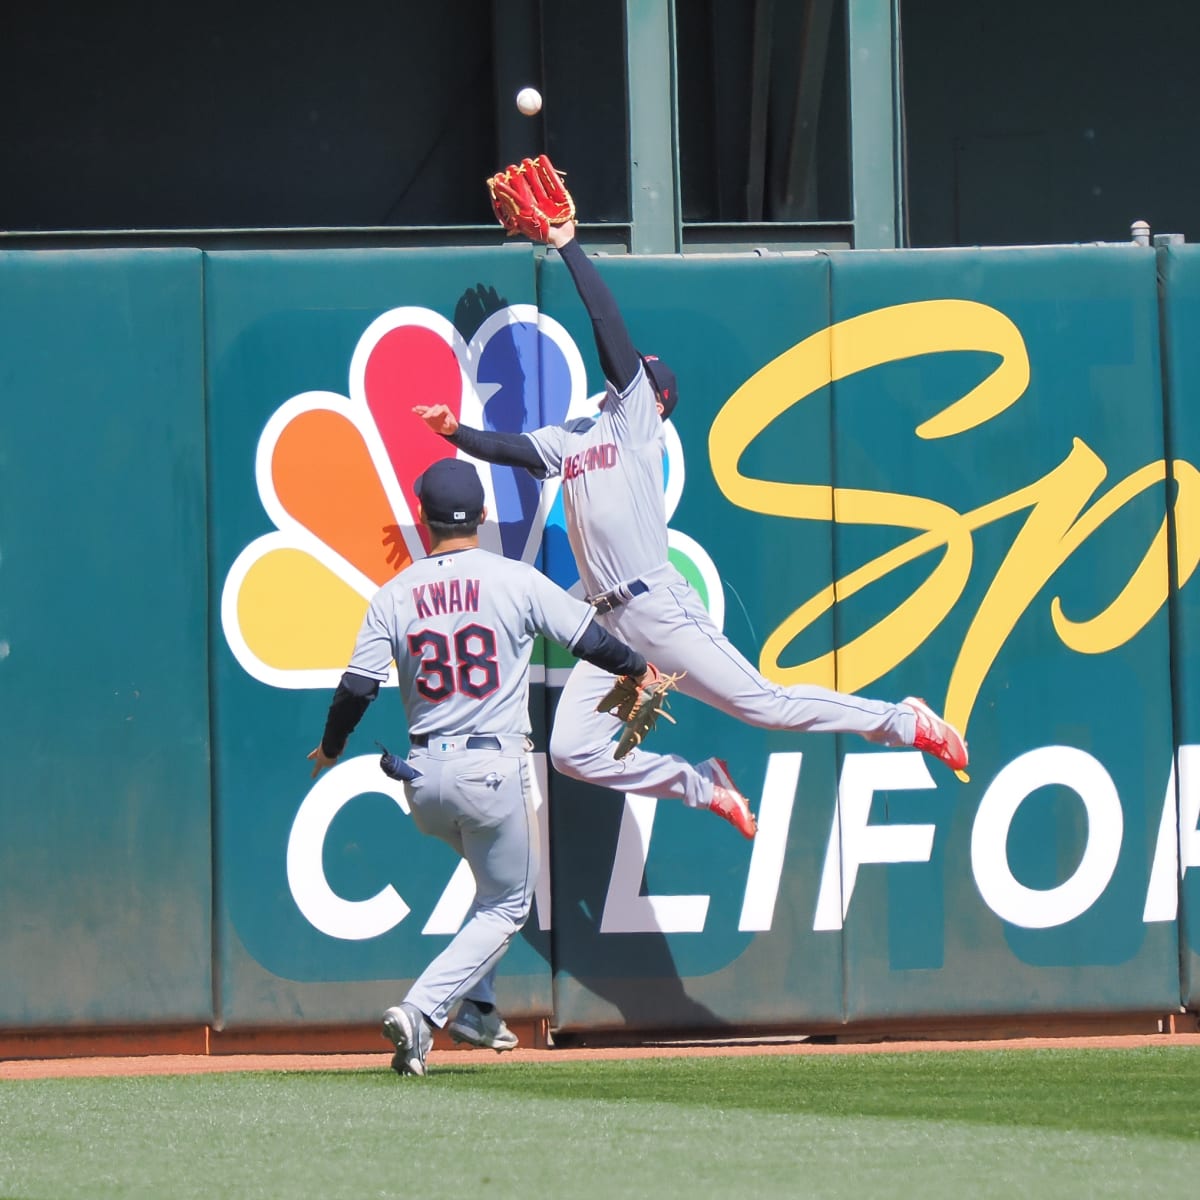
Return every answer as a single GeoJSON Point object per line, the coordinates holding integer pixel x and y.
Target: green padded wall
{"type": "Point", "coordinates": [1180, 841]}
{"type": "Point", "coordinates": [105, 845]}
{"type": "Point", "coordinates": [1000, 413]}
{"type": "Point", "coordinates": [329, 901]}
{"type": "Point", "coordinates": [939, 473]}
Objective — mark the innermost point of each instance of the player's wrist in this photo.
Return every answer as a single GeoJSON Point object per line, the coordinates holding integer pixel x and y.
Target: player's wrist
{"type": "Point", "coordinates": [648, 676]}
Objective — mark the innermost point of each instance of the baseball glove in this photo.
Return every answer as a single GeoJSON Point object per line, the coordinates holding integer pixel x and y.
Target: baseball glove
{"type": "Point", "coordinates": [638, 707]}
{"type": "Point", "coordinates": [530, 196]}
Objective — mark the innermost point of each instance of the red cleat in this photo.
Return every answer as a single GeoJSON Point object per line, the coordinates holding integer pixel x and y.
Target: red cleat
{"type": "Point", "coordinates": [937, 737]}
{"type": "Point", "coordinates": [727, 801]}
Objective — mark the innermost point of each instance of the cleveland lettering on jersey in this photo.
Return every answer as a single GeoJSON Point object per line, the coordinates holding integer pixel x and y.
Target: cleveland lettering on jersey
{"type": "Point", "coordinates": [594, 458]}
{"type": "Point", "coordinates": [446, 596]}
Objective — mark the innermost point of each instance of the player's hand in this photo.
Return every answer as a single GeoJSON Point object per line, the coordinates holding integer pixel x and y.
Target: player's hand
{"type": "Point", "coordinates": [320, 761]}
{"type": "Point", "coordinates": [560, 235]}
{"type": "Point", "coordinates": [438, 417]}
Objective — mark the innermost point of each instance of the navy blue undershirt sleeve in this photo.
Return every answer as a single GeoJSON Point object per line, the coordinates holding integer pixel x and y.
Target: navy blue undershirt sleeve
{"type": "Point", "coordinates": [505, 449]}
{"type": "Point", "coordinates": [354, 693]}
{"type": "Point", "coordinates": [619, 360]}
{"type": "Point", "coordinates": [596, 645]}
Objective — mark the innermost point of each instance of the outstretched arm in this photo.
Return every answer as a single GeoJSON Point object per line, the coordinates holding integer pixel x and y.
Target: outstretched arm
{"type": "Point", "coordinates": [505, 449]}
{"type": "Point", "coordinates": [619, 360]}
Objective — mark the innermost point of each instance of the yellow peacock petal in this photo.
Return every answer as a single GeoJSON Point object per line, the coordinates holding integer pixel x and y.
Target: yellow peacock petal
{"type": "Point", "coordinates": [295, 614]}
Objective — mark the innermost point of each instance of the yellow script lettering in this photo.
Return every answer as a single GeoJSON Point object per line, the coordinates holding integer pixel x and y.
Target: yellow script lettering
{"type": "Point", "coordinates": [1056, 526]}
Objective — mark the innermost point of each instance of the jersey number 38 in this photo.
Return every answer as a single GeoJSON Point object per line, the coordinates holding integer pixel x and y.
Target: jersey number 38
{"type": "Point", "coordinates": [471, 670]}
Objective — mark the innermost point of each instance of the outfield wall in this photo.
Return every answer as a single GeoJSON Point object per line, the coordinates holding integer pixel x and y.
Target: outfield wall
{"type": "Point", "coordinates": [942, 473]}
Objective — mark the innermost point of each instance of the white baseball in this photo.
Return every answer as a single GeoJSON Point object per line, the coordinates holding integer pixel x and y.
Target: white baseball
{"type": "Point", "coordinates": [529, 101]}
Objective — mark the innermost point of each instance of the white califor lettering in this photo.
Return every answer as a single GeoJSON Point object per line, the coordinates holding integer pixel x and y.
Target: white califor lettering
{"type": "Point", "coordinates": [1178, 844]}
{"type": "Point", "coordinates": [542, 889]}
{"type": "Point", "coordinates": [625, 909]}
{"type": "Point", "coordinates": [853, 842]}
{"type": "Point", "coordinates": [322, 907]}
{"type": "Point", "coordinates": [1044, 908]}
{"type": "Point", "coordinates": [770, 843]}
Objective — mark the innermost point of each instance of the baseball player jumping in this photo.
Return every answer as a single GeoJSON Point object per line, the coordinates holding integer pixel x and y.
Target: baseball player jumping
{"type": "Point", "coordinates": [612, 487]}
{"type": "Point", "coordinates": [460, 626]}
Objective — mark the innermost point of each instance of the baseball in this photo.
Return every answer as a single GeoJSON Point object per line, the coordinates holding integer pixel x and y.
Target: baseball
{"type": "Point", "coordinates": [529, 101]}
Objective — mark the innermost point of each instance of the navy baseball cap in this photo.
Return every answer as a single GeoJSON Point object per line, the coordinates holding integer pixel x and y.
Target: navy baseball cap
{"type": "Point", "coordinates": [664, 382]}
{"type": "Point", "coordinates": [450, 492]}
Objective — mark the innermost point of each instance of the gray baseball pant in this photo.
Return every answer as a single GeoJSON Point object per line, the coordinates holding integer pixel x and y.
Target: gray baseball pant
{"type": "Point", "coordinates": [672, 628]}
{"type": "Point", "coordinates": [480, 802]}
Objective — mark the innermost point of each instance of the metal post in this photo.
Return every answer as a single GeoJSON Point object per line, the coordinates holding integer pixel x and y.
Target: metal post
{"type": "Point", "coordinates": [874, 152]}
{"type": "Point", "coordinates": [654, 204]}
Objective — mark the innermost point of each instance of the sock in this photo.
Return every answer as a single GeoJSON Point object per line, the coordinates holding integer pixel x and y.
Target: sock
{"type": "Point", "coordinates": [483, 1008]}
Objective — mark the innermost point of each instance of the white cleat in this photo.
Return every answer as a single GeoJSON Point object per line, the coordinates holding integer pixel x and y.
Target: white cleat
{"type": "Point", "coordinates": [477, 1028]}
{"type": "Point", "coordinates": [406, 1028]}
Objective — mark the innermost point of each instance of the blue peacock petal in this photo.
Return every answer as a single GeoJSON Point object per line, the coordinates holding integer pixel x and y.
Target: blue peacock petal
{"type": "Point", "coordinates": [532, 380]}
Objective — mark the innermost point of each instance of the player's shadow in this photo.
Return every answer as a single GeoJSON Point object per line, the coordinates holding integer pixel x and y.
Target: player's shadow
{"type": "Point", "coordinates": [474, 307]}
{"type": "Point", "coordinates": [393, 541]}
{"type": "Point", "coordinates": [635, 974]}
{"type": "Point", "coordinates": [512, 407]}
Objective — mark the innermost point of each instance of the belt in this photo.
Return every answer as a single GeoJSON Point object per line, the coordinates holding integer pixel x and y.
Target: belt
{"type": "Point", "coordinates": [621, 594]}
{"type": "Point", "coordinates": [477, 741]}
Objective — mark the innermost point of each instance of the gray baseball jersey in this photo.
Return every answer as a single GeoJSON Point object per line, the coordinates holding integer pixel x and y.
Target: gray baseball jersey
{"type": "Point", "coordinates": [460, 627]}
{"type": "Point", "coordinates": [612, 482]}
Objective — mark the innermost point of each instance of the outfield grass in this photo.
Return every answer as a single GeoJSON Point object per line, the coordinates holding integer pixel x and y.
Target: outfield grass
{"type": "Point", "coordinates": [1047, 1123]}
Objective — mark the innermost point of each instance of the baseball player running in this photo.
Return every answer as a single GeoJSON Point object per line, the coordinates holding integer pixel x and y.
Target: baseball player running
{"type": "Point", "coordinates": [460, 626]}
{"type": "Point", "coordinates": [612, 486]}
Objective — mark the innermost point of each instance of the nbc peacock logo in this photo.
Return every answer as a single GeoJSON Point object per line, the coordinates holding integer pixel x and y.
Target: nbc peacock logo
{"type": "Point", "coordinates": [335, 477]}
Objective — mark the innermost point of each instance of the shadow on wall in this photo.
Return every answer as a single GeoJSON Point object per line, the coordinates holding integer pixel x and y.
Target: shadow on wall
{"type": "Point", "coordinates": [635, 973]}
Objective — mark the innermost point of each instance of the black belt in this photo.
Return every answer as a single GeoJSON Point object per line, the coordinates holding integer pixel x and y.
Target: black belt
{"type": "Point", "coordinates": [477, 741]}
{"type": "Point", "coordinates": [619, 595]}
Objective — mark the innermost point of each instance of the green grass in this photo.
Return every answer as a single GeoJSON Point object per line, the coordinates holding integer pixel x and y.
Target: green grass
{"type": "Point", "coordinates": [1150, 1092]}
{"type": "Point", "coordinates": [1044, 1123]}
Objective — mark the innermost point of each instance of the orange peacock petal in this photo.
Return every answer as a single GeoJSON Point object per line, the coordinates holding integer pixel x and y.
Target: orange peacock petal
{"type": "Point", "coordinates": [325, 478]}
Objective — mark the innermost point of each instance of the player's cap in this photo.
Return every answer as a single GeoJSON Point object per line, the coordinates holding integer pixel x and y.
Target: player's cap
{"type": "Point", "coordinates": [664, 382]}
{"type": "Point", "coordinates": [450, 492]}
